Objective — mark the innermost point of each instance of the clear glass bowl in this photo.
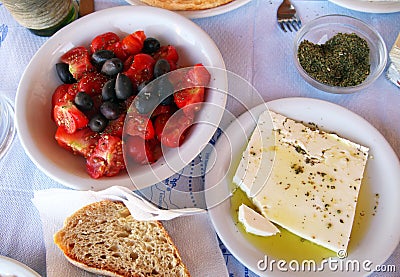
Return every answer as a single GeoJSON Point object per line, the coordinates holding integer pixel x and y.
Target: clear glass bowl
{"type": "Point", "coordinates": [7, 127]}
{"type": "Point", "coordinates": [319, 30]}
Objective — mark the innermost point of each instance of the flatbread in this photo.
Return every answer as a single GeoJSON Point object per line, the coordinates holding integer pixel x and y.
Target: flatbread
{"type": "Point", "coordinates": [186, 5]}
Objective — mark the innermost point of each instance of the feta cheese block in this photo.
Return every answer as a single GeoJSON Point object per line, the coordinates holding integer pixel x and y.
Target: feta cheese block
{"type": "Point", "coordinates": [256, 161]}
{"type": "Point", "coordinates": [312, 185]}
{"type": "Point", "coordinates": [255, 223]}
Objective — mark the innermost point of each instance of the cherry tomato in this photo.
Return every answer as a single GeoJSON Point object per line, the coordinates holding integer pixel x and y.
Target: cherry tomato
{"type": "Point", "coordinates": [115, 127]}
{"type": "Point", "coordinates": [81, 142]}
{"type": "Point", "coordinates": [198, 75]}
{"type": "Point", "coordinates": [118, 50]}
{"type": "Point", "coordinates": [174, 131]}
{"type": "Point", "coordinates": [159, 123]}
{"type": "Point", "coordinates": [139, 125]}
{"type": "Point", "coordinates": [169, 53]}
{"type": "Point", "coordinates": [141, 69]}
{"type": "Point", "coordinates": [78, 59]}
{"type": "Point", "coordinates": [161, 109]}
{"type": "Point", "coordinates": [189, 99]}
{"type": "Point", "coordinates": [139, 150]}
{"type": "Point", "coordinates": [60, 94]}
{"type": "Point", "coordinates": [92, 83]}
{"type": "Point", "coordinates": [106, 158]}
{"type": "Point", "coordinates": [67, 115]}
{"type": "Point", "coordinates": [101, 42]}
{"type": "Point", "coordinates": [132, 44]}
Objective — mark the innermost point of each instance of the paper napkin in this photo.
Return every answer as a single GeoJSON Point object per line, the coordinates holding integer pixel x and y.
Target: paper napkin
{"type": "Point", "coordinates": [393, 70]}
{"type": "Point", "coordinates": [190, 229]}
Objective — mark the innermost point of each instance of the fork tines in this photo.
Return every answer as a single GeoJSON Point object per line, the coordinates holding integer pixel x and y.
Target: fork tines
{"type": "Point", "coordinates": [290, 24]}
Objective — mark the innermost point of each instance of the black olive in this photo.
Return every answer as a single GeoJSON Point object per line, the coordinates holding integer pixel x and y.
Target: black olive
{"type": "Point", "coordinates": [161, 67]}
{"type": "Point", "coordinates": [165, 91]}
{"type": "Point", "coordinates": [83, 101]}
{"type": "Point", "coordinates": [101, 56]}
{"type": "Point", "coordinates": [108, 90]}
{"type": "Point", "coordinates": [146, 101]}
{"type": "Point", "coordinates": [112, 67]}
{"type": "Point", "coordinates": [64, 74]}
{"type": "Point", "coordinates": [98, 123]}
{"type": "Point", "coordinates": [110, 110]}
{"type": "Point", "coordinates": [123, 87]}
{"type": "Point", "coordinates": [150, 45]}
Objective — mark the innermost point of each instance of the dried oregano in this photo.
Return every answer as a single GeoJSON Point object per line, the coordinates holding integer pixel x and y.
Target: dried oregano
{"type": "Point", "coordinates": [342, 61]}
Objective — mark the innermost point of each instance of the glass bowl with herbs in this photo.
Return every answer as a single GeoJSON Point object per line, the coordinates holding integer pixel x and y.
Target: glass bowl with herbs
{"type": "Point", "coordinates": [339, 54]}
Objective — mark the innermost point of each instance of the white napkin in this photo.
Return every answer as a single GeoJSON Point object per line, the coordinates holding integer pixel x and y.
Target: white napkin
{"type": "Point", "coordinates": [193, 235]}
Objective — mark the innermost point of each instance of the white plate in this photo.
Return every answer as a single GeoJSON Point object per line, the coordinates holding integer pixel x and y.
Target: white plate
{"type": "Point", "coordinates": [12, 268]}
{"type": "Point", "coordinates": [203, 13]}
{"type": "Point", "coordinates": [369, 6]}
{"type": "Point", "coordinates": [381, 233]}
{"type": "Point", "coordinates": [33, 100]}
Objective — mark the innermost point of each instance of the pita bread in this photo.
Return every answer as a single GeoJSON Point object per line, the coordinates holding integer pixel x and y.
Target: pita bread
{"type": "Point", "coordinates": [186, 5]}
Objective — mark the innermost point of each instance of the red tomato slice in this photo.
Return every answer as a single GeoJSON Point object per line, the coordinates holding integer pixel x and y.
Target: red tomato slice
{"type": "Point", "coordinates": [155, 147]}
{"type": "Point", "coordinates": [139, 125]}
{"type": "Point", "coordinates": [115, 127]}
{"type": "Point", "coordinates": [118, 50]}
{"type": "Point", "coordinates": [139, 150]}
{"type": "Point", "coordinates": [163, 109]}
{"type": "Point", "coordinates": [92, 83]}
{"type": "Point", "coordinates": [67, 115]}
{"type": "Point", "coordinates": [78, 59]}
{"type": "Point", "coordinates": [189, 99]}
{"type": "Point", "coordinates": [82, 142]}
{"type": "Point", "coordinates": [174, 131]}
{"type": "Point", "coordinates": [141, 69]}
{"type": "Point", "coordinates": [72, 91]}
{"type": "Point", "coordinates": [106, 158]}
{"type": "Point", "coordinates": [101, 42]}
{"type": "Point", "coordinates": [59, 93]}
{"type": "Point", "coordinates": [128, 61]}
{"type": "Point", "coordinates": [132, 44]}
{"type": "Point", "coordinates": [159, 123]}
{"type": "Point", "coordinates": [169, 53]}
{"type": "Point", "coordinates": [198, 75]}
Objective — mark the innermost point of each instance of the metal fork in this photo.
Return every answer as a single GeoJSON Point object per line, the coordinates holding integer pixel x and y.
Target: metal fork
{"type": "Point", "coordinates": [287, 17]}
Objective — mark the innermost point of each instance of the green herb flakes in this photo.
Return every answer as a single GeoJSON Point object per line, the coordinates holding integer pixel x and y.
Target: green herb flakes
{"type": "Point", "coordinates": [342, 61]}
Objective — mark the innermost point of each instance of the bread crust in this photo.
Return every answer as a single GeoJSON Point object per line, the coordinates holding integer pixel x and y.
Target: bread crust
{"type": "Point", "coordinates": [103, 238]}
{"type": "Point", "coordinates": [186, 5]}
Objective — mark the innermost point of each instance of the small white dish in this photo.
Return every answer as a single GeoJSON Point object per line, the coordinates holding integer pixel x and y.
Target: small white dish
{"type": "Point", "coordinates": [12, 268]}
{"type": "Point", "coordinates": [33, 100]}
{"type": "Point", "coordinates": [374, 244]}
{"type": "Point", "coordinates": [320, 30]}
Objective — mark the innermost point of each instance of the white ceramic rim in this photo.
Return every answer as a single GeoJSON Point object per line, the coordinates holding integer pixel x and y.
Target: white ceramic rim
{"type": "Point", "coordinates": [11, 267]}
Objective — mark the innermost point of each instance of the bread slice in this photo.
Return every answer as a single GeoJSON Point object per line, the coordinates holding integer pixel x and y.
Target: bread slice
{"type": "Point", "coordinates": [105, 239]}
{"type": "Point", "coordinates": [186, 5]}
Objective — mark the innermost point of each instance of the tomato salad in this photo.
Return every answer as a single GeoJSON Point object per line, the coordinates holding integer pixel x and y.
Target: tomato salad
{"type": "Point", "coordinates": [101, 93]}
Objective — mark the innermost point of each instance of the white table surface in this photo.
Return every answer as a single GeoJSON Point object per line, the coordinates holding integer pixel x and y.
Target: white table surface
{"type": "Point", "coordinates": [253, 47]}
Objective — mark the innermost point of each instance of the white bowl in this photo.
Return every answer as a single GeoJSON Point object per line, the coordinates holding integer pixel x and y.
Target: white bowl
{"type": "Point", "coordinates": [33, 100]}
